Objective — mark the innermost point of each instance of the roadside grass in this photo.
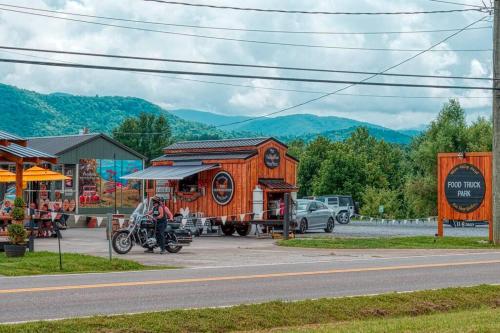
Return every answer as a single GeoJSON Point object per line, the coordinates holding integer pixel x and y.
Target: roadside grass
{"type": "Point", "coordinates": [484, 320]}
{"type": "Point", "coordinates": [417, 242]}
{"type": "Point", "coordinates": [334, 311]}
{"type": "Point", "coordinates": [48, 263]}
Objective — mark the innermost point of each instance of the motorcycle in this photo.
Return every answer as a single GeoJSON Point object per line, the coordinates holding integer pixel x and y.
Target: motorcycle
{"type": "Point", "coordinates": [142, 231]}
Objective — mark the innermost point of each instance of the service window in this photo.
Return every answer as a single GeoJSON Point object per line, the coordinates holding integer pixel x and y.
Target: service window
{"type": "Point", "coordinates": [189, 184]}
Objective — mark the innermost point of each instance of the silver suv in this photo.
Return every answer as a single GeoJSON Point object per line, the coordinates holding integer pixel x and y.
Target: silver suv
{"type": "Point", "coordinates": [341, 205]}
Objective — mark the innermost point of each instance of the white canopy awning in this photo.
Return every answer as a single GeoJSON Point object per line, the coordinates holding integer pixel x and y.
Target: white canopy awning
{"type": "Point", "coordinates": [174, 172]}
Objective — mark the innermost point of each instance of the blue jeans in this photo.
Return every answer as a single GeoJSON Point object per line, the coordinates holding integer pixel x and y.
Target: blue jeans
{"type": "Point", "coordinates": [160, 233]}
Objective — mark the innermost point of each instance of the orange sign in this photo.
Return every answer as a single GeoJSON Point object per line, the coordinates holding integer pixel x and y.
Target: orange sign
{"type": "Point", "coordinates": [465, 188]}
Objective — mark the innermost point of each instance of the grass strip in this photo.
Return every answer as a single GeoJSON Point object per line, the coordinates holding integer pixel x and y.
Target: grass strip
{"type": "Point", "coordinates": [484, 320]}
{"type": "Point", "coordinates": [48, 263]}
{"type": "Point", "coordinates": [417, 242]}
{"type": "Point", "coordinates": [279, 314]}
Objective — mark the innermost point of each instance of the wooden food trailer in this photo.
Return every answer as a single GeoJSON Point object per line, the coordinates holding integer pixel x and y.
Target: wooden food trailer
{"type": "Point", "coordinates": [231, 183]}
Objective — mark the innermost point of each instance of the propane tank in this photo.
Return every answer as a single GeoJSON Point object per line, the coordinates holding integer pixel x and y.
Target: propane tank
{"type": "Point", "coordinates": [258, 202]}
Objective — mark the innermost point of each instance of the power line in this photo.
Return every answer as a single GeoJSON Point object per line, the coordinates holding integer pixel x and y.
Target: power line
{"type": "Point", "coordinates": [459, 4]}
{"type": "Point", "coordinates": [274, 78]}
{"type": "Point", "coordinates": [103, 55]}
{"type": "Point", "coordinates": [283, 11]}
{"type": "Point", "coordinates": [242, 29]}
{"type": "Point", "coordinates": [272, 88]}
{"type": "Point", "coordinates": [360, 82]}
{"type": "Point", "coordinates": [242, 40]}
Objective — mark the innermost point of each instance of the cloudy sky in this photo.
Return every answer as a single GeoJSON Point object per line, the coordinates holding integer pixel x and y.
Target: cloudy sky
{"type": "Point", "coordinates": [172, 92]}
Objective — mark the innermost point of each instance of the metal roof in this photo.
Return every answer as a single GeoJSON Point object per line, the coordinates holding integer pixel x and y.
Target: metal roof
{"type": "Point", "coordinates": [206, 156]}
{"type": "Point", "coordinates": [175, 172]}
{"type": "Point", "coordinates": [59, 145]}
{"type": "Point", "coordinates": [277, 184]}
{"type": "Point", "coordinates": [209, 144]}
{"type": "Point", "coordinates": [24, 152]}
{"type": "Point", "coordinates": [10, 137]}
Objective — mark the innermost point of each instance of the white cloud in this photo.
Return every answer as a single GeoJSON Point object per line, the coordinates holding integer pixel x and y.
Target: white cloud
{"type": "Point", "coordinates": [29, 31]}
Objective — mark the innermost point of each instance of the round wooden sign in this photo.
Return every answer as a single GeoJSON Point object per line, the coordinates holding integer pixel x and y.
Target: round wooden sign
{"type": "Point", "coordinates": [222, 188]}
{"type": "Point", "coordinates": [465, 188]}
{"type": "Point", "coordinates": [272, 158]}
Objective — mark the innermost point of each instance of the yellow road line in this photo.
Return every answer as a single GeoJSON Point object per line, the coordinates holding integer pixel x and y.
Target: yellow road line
{"type": "Point", "coordinates": [241, 277]}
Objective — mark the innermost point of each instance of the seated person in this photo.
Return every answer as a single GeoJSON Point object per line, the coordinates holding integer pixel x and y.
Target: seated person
{"type": "Point", "coordinates": [61, 217]}
{"type": "Point", "coordinates": [30, 213]}
{"type": "Point", "coordinates": [32, 209]}
{"type": "Point", "coordinates": [47, 222]}
{"type": "Point", "coordinates": [7, 208]}
{"type": "Point", "coordinates": [44, 211]}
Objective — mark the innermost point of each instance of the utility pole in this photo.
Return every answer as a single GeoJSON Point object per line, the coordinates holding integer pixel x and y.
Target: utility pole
{"type": "Point", "coordinates": [496, 123]}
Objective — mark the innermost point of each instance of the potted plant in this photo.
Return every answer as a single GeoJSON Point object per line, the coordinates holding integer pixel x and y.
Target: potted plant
{"type": "Point", "coordinates": [18, 211]}
{"type": "Point", "coordinates": [17, 238]}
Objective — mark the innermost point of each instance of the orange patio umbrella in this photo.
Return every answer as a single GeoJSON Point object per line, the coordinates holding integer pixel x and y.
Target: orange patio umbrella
{"type": "Point", "coordinates": [7, 176]}
{"type": "Point", "coordinates": [37, 174]}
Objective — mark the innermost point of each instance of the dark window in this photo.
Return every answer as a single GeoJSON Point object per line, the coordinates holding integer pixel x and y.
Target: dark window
{"type": "Point", "coordinates": [344, 201]}
{"type": "Point", "coordinates": [333, 201]}
{"type": "Point", "coordinates": [312, 205]}
{"type": "Point", "coordinates": [189, 184]}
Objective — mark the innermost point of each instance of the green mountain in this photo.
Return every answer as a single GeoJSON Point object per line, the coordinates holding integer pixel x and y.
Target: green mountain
{"type": "Point", "coordinates": [385, 134]}
{"type": "Point", "coordinates": [305, 126]}
{"type": "Point", "coordinates": [27, 113]}
{"type": "Point", "coordinates": [207, 118]}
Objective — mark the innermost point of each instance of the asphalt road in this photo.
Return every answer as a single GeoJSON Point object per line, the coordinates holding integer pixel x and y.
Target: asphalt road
{"type": "Point", "coordinates": [63, 296]}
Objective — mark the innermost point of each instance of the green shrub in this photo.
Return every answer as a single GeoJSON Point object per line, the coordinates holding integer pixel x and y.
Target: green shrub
{"type": "Point", "coordinates": [17, 234]}
{"type": "Point", "coordinates": [18, 211]}
{"type": "Point", "coordinates": [19, 202]}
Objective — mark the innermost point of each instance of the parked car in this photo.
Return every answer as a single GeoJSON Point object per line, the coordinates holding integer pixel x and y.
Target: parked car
{"type": "Point", "coordinates": [314, 215]}
{"type": "Point", "coordinates": [342, 205]}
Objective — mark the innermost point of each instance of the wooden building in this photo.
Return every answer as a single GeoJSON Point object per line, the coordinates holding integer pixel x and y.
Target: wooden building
{"type": "Point", "coordinates": [224, 178]}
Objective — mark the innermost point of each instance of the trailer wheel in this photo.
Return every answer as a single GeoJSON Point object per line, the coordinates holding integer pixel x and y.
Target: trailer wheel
{"type": "Point", "coordinates": [227, 230]}
{"type": "Point", "coordinates": [243, 229]}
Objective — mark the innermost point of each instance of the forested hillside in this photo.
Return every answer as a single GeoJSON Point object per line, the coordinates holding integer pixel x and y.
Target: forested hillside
{"type": "Point", "coordinates": [27, 113]}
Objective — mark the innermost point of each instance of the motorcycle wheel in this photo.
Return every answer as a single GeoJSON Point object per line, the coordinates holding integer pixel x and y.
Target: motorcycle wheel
{"type": "Point", "coordinates": [173, 249]}
{"type": "Point", "coordinates": [122, 243]}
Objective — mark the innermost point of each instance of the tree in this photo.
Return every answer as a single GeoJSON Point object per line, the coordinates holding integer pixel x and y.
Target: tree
{"type": "Point", "coordinates": [373, 198]}
{"type": "Point", "coordinates": [296, 148]}
{"type": "Point", "coordinates": [147, 134]}
{"type": "Point", "coordinates": [448, 133]}
{"type": "Point", "coordinates": [341, 172]}
{"type": "Point", "coordinates": [310, 164]}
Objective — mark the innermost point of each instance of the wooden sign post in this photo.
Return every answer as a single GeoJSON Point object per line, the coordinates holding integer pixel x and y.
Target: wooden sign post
{"type": "Point", "coordinates": [465, 188]}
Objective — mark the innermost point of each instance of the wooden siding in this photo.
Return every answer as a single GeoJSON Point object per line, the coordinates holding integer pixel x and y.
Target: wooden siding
{"type": "Point", "coordinates": [245, 174]}
{"type": "Point", "coordinates": [446, 162]}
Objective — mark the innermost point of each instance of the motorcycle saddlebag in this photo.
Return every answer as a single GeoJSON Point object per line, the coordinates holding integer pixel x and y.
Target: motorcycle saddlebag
{"type": "Point", "coordinates": [183, 236]}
